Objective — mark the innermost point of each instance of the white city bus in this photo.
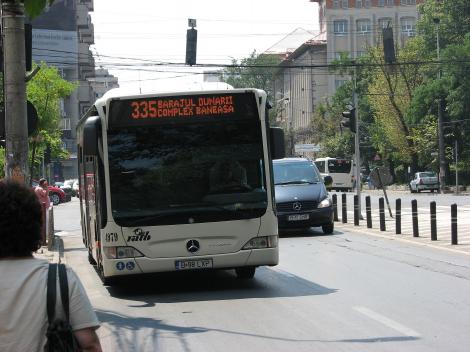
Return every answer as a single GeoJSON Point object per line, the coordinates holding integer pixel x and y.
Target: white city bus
{"type": "Point", "coordinates": [340, 170]}
{"type": "Point", "coordinates": [178, 180]}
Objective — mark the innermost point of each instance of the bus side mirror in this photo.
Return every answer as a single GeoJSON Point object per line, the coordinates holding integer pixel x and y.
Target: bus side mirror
{"type": "Point", "coordinates": [276, 139]}
{"type": "Point", "coordinates": [91, 131]}
{"type": "Point", "coordinates": [328, 180]}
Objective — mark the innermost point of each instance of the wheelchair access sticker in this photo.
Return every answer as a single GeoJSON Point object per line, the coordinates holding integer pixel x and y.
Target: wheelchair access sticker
{"type": "Point", "coordinates": [120, 266]}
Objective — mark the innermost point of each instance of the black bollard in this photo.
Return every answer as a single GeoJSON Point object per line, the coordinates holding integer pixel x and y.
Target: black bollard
{"type": "Point", "coordinates": [414, 215]}
{"type": "Point", "coordinates": [453, 215]}
{"type": "Point", "coordinates": [382, 214]}
{"type": "Point", "coordinates": [368, 213]}
{"type": "Point", "coordinates": [398, 216]}
{"type": "Point", "coordinates": [335, 207]}
{"type": "Point", "coordinates": [432, 211]}
{"type": "Point", "coordinates": [356, 211]}
{"type": "Point", "coordinates": [344, 213]}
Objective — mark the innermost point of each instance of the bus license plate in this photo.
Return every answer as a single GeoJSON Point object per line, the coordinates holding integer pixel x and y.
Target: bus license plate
{"type": "Point", "coordinates": [298, 217]}
{"type": "Point", "coordinates": [193, 264]}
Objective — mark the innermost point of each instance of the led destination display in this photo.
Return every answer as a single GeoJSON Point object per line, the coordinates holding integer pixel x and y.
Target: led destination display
{"type": "Point", "coordinates": [145, 110]}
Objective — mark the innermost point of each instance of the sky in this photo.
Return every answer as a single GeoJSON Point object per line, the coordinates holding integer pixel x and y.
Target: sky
{"type": "Point", "coordinates": [143, 41]}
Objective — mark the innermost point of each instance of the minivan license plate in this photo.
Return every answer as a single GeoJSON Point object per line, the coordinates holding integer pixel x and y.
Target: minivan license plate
{"type": "Point", "coordinates": [193, 264]}
{"type": "Point", "coordinates": [297, 217]}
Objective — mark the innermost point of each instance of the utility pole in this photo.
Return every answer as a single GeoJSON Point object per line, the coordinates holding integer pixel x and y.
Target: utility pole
{"type": "Point", "coordinates": [16, 126]}
{"type": "Point", "coordinates": [356, 144]}
{"type": "Point", "coordinates": [440, 120]}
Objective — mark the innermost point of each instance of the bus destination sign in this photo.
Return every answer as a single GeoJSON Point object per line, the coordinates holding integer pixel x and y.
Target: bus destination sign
{"type": "Point", "coordinates": [143, 110]}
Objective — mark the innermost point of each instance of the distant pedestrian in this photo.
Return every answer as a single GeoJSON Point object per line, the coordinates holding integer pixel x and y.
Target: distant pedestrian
{"type": "Point", "coordinates": [42, 192]}
{"type": "Point", "coordinates": [23, 283]}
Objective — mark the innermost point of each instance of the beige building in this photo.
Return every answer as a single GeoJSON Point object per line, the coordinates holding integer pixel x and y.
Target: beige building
{"type": "Point", "coordinates": [353, 25]}
{"type": "Point", "coordinates": [299, 88]}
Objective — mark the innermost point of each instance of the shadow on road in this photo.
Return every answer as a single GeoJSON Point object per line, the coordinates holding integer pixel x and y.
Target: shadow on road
{"type": "Point", "coordinates": [310, 232]}
{"type": "Point", "coordinates": [214, 285]}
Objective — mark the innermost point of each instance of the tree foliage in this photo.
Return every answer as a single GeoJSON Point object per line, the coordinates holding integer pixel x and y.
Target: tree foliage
{"type": "Point", "coordinates": [45, 91]}
{"type": "Point", "coordinates": [34, 7]}
{"type": "Point", "coordinates": [255, 71]}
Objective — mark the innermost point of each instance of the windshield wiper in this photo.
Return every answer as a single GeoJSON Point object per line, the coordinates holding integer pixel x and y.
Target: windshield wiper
{"type": "Point", "coordinates": [296, 183]}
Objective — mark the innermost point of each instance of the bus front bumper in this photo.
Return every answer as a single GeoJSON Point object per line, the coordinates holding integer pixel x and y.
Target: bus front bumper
{"type": "Point", "coordinates": [145, 265]}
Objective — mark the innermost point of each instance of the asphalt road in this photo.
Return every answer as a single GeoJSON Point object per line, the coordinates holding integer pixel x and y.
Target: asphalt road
{"type": "Point", "coordinates": [351, 291]}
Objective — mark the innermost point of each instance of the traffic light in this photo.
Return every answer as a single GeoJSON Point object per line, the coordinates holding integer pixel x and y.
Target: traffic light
{"type": "Point", "coordinates": [349, 119]}
{"type": "Point", "coordinates": [191, 46]}
{"type": "Point", "coordinates": [47, 155]}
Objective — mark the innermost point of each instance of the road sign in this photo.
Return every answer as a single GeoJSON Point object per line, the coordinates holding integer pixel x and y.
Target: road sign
{"type": "Point", "coordinates": [385, 177]}
{"type": "Point", "coordinates": [307, 148]}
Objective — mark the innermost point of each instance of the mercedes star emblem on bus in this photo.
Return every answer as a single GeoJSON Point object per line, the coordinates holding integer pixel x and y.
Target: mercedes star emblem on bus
{"type": "Point", "coordinates": [192, 246]}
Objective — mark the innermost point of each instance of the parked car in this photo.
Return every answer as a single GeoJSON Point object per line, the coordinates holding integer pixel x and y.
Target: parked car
{"type": "Point", "coordinates": [56, 194]}
{"type": "Point", "coordinates": [302, 200]}
{"type": "Point", "coordinates": [75, 188]}
{"type": "Point", "coordinates": [66, 188]}
{"type": "Point", "coordinates": [422, 181]}
{"type": "Point", "coordinates": [69, 184]}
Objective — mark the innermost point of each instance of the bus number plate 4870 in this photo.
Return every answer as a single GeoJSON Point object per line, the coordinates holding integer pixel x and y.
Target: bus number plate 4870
{"type": "Point", "coordinates": [193, 264]}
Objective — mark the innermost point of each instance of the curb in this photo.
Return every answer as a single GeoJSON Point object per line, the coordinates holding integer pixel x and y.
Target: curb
{"type": "Point", "coordinates": [399, 238]}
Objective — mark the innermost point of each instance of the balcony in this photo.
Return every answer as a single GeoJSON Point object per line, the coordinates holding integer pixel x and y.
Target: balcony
{"type": "Point", "coordinates": [87, 34]}
{"type": "Point", "coordinates": [88, 4]}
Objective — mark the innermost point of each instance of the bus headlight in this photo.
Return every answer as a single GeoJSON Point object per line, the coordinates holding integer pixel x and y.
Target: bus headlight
{"type": "Point", "coordinates": [121, 252]}
{"type": "Point", "coordinates": [325, 203]}
{"type": "Point", "coordinates": [261, 242]}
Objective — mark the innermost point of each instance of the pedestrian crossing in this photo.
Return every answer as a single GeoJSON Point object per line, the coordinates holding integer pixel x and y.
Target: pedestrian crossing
{"type": "Point", "coordinates": [443, 225]}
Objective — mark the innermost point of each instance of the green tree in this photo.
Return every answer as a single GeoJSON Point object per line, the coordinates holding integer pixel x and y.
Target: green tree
{"type": "Point", "coordinates": [255, 71]}
{"type": "Point", "coordinates": [45, 91]}
{"type": "Point", "coordinates": [34, 7]}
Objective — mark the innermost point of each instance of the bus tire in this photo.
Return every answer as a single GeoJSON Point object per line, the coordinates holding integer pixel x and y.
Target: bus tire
{"type": "Point", "coordinates": [245, 272]}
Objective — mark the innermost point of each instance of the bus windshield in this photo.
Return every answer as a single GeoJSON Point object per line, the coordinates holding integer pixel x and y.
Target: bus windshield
{"type": "Point", "coordinates": [186, 172]}
{"type": "Point", "coordinates": [339, 166]}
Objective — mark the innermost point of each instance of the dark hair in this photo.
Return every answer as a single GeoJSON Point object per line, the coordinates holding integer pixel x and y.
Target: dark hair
{"type": "Point", "coordinates": [20, 220]}
{"type": "Point", "coordinates": [41, 181]}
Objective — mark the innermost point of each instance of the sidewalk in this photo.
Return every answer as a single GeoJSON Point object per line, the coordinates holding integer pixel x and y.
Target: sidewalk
{"type": "Point", "coordinates": [53, 256]}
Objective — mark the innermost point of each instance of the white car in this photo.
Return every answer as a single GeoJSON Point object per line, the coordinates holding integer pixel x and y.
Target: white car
{"type": "Point", "coordinates": [424, 181]}
{"type": "Point", "coordinates": [75, 188]}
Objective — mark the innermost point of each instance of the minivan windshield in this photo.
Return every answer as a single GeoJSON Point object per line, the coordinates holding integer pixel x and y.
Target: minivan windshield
{"type": "Point", "coordinates": [295, 172]}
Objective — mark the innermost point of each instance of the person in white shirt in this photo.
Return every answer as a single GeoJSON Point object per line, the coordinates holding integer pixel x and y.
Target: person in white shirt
{"type": "Point", "coordinates": [23, 284]}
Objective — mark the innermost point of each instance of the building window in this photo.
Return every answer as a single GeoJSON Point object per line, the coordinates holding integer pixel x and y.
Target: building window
{"type": "Point", "coordinates": [360, 53]}
{"type": "Point", "coordinates": [381, 3]}
{"type": "Point", "coordinates": [366, 4]}
{"type": "Point", "coordinates": [358, 4]}
{"type": "Point", "coordinates": [345, 4]}
{"type": "Point", "coordinates": [408, 26]}
{"type": "Point", "coordinates": [340, 27]}
{"type": "Point", "coordinates": [390, 2]}
{"type": "Point", "coordinates": [336, 4]}
{"type": "Point", "coordinates": [339, 82]}
{"type": "Point", "coordinates": [364, 26]}
{"type": "Point", "coordinates": [385, 22]}
{"type": "Point", "coordinates": [341, 54]}
{"type": "Point", "coordinates": [408, 2]}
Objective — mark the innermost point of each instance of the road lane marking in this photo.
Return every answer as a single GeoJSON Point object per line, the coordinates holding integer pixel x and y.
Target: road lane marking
{"type": "Point", "coordinates": [387, 321]}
